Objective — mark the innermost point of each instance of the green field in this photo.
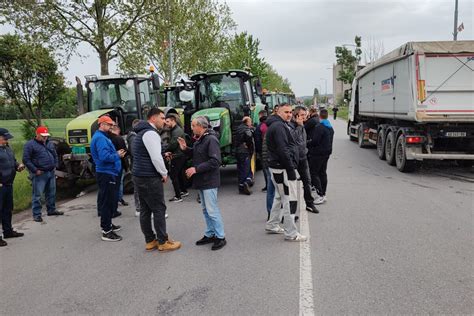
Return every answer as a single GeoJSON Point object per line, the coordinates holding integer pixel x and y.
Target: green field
{"type": "Point", "coordinates": [22, 186]}
{"type": "Point", "coordinates": [343, 112]}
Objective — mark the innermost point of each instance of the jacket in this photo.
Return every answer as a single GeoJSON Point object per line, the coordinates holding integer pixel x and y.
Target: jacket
{"type": "Point", "coordinates": [320, 140]}
{"type": "Point", "coordinates": [8, 165]}
{"type": "Point", "coordinates": [119, 143]}
{"type": "Point", "coordinates": [299, 135]}
{"type": "Point", "coordinates": [259, 135]}
{"type": "Point", "coordinates": [40, 156]}
{"type": "Point", "coordinates": [282, 151]}
{"type": "Point", "coordinates": [173, 146]}
{"type": "Point", "coordinates": [206, 153]}
{"type": "Point", "coordinates": [244, 139]}
{"type": "Point", "coordinates": [105, 156]}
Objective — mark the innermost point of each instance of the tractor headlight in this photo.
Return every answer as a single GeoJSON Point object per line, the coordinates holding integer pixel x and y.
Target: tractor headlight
{"type": "Point", "coordinates": [215, 123]}
{"type": "Point", "coordinates": [73, 140]}
{"type": "Point", "coordinates": [83, 140]}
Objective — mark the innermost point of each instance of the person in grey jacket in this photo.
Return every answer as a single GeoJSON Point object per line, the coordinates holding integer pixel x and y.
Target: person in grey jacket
{"type": "Point", "coordinates": [206, 153]}
{"type": "Point", "coordinates": [8, 168]}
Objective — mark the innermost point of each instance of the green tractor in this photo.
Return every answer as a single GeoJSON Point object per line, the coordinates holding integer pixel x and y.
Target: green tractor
{"type": "Point", "coordinates": [180, 99]}
{"type": "Point", "coordinates": [124, 98]}
{"type": "Point", "coordinates": [225, 98]}
{"type": "Point", "coordinates": [274, 98]}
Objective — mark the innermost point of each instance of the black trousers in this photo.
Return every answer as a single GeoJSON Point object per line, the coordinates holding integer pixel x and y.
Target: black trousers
{"type": "Point", "coordinates": [319, 177]}
{"type": "Point", "coordinates": [107, 198]}
{"type": "Point", "coordinates": [152, 201]}
{"type": "Point", "coordinates": [243, 167]}
{"type": "Point", "coordinates": [303, 170]}
{"type": "Point", "coordinates": [177, 175]}
{"type": "Point", "coordinates": [6, 207]}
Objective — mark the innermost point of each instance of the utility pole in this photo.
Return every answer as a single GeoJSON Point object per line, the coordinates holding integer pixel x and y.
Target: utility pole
{"type": "Point", "coordinates": [455, 33]}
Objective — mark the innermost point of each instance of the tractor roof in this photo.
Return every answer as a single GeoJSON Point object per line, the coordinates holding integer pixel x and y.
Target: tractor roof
{"type": "Point", "coordinates": [232, 73]}
{"type": "Point", "coordinates": [115, 77]}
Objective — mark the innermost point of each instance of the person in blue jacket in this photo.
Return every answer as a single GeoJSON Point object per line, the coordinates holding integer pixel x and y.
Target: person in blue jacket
{"type": "Point", "coordinates": [108, 167]}
{"type": "Point", "coordinates": [39, 156]}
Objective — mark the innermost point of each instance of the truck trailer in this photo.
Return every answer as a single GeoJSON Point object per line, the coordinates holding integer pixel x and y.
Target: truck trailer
{"type": "Point", "coordinates": [416, 103]}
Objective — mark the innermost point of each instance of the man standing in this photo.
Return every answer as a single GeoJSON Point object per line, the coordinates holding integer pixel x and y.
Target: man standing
{"type": "Point", "coordinates": [8, 169]}
{"type": "Point", "coordinates": [107, 166]}
{"type": "Point", "coordinates": [130, 137]}
{"type": "Point", "coordinates": [176, 158]}
{"type": "Point", "coordinates": [39, 156]}
{"type": "Point", "coordinates": [119, 143]}
{"type": "Point", "coordinates": [244, 151]}
{"type": "Point", "coordinates": [149, 174]}
{"type": "Point", "coordinates": [282, 162]}
{"type": "Point", "coordinates": [320, 148]}
{"type": "Point", "coordinates": [299, 135]}
{"type": "Point", "coordinates": [205, 173]}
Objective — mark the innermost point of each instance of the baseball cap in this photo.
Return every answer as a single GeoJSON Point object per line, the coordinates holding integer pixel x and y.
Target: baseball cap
{"type": "Point", "coordinates": [106, 119]}
{"type": "Point", "coordinates": [5, 133]}
{"type": "Point", "coordinates": [43, 131]}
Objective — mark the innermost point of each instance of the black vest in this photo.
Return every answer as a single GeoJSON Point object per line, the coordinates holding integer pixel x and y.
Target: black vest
{"type": "Point", "coordinates": [142, 164]}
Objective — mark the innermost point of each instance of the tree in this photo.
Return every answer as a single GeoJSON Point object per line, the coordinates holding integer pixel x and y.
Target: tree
{"type": "Point", "coordinates": [29, 77]}
{"type": "Point", "coordinates": [65, 24]}
{"type": "Point", "coordinates": [273, 81]}
{"type": "Point", "coordinates": [348, 61]}
{"type": "Point", "coordinates": [198, 29]}
{"type": "Point", "coordinates": [63, 104]}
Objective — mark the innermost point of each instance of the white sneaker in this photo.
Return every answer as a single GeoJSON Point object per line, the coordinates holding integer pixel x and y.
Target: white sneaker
{"type": "Point", "coordinates": [320, 200]}
{"type": "Point", "coordinates": [275, 230]}
{"type": "Point", "coordinates": [298, 237]}
{"type": "Point", "coordinates": [137, 214]}
{"type": "Point", "coordinates": [166, 215]}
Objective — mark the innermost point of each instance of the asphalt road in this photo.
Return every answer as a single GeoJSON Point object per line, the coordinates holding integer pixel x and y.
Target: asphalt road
{"type": "Point", "coordinates": [384, 243]}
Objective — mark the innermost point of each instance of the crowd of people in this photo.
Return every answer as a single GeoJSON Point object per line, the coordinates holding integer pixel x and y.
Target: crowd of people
{"type": "Point", "coordinates": [291, 144]}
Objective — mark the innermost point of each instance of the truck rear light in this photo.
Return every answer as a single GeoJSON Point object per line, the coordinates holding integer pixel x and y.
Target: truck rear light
{"type": "Point", "coordinates": [414, 139]}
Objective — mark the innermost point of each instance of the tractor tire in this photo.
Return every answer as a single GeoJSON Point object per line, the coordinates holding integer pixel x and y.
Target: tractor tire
{"type": "Point", "coordinates": [381, 145]}
{"type": "Point", "coordinates": [390, 144]}
{"type": "Point", "coordinates": [403, 165]}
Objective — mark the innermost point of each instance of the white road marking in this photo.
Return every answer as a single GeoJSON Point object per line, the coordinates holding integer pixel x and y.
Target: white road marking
{"type": "Point", "coordinates": [306, 276]}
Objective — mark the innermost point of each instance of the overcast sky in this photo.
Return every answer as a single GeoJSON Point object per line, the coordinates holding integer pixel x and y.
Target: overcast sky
{"type": "Point", "coordinates": [298, 37]}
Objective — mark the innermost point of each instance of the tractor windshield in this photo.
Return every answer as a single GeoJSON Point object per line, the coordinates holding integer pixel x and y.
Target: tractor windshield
{"type": "Point", "coordinates": [108, 94]}
{"type": "Point", "coordinates": [225, 91]}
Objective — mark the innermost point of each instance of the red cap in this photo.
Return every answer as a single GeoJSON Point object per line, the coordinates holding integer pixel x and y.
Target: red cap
{"type": "Point", "coordinates": [106, 119]}
{"type": "Point", "coordinates": [43, 131]}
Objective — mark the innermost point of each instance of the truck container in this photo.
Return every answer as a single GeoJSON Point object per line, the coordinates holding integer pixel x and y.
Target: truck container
{"type": "Point", "coordinates": [416, 103]}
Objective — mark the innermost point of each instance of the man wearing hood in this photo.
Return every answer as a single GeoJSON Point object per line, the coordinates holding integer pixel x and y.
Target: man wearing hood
{"type": "Point", "coordinates": [282, 162]}
{"type": "Point", "coordinates": [320, 148]}
{"type": "Point", "coordinates": [243, 152]}
{"type": "Point", "coordinates": [149, 175]}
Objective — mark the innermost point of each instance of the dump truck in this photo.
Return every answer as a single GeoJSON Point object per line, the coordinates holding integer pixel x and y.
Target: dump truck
{"type": "Point", "coordinates": [416, 103]}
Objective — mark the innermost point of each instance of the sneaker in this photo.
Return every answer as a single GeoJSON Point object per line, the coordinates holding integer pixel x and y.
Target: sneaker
{"type": "Point", "coordinates": [116, 228]}
{"type": "Point", "coordinates": [264, 189]}
{"type": "Point", "coordinates": [38, 219]}
{"type": "Point", "coordinates": [137, 213]}
{"type": "Point", "coordinates": [166, 215]}
{"type": "Point", "coordinates": [152, 245]}
{"type": "Point", "coordinates": [56, 213]}
{"type": "Point", "coordinates": [110, 236]}
{"type": "Point", "coordinates": [320, 200]}
{"type": "Point", "coordinates": [198, 199]}
{"type": "Point", "coordinates": [245, 189]}
{"type": "Point", "coordinates": [12, 234]}
{"type": "Point", "coordinates": [176, 199]}
{"type": "Point", "coordinates": [123, 202]}
{"type": "Point", "coordinates": [184, 194]}
{"type": "Point", "coordinates": [311, 208]}
{"type": "Point", "coordinates": [219, 243]}
{"type": "Point", "coordinates": [205, 240]}
{"type": "Point", "coordinates": [169, 245]}
{"type": "Point", "coordinates": [298, 237]}
{"type": "Point", "coordinates": [275, 230]}
{"type": "Point", "coordinates": [116, 214]}
{"type": "Point", "coordinates": [3, 243]}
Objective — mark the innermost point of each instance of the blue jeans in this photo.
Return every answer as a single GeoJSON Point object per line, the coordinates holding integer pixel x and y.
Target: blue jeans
{"type": "Point", "coordinates": [44, 183]}
{"type": "Point", "coordinates": [120, 192]}
{"type": "Point", "coordinates": [212, 213]}
{"type": "Point", "coordinates": [270, 190]}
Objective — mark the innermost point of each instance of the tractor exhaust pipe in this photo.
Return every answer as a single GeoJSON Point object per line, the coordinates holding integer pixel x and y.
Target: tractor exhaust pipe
{"type": "Point", "coordinates": [80, 96]}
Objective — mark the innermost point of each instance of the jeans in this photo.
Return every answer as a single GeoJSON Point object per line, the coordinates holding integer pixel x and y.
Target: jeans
{"type": "Point", "coordinates": [152, 201]}
{"type": "Point", "coordinates": [177, 175]}
{"type": "Point", "coordinates": [270, 190]}
{"type": "Point", "coordinates": [212, 213]}
{"type": "Point", "coordinates": [44, 183]}
{"type": "Point", "coordinates": [107, 199]}
{"type": "Point", "coordinates": [285, 202]}
{"type": "Point", "coordinates": [120, 192]}
{"type": "Point", "coordinates": [243, 167]}
{"type": "Point", "coordinates": [265, 176]}
{"type": "Point", "coordinates": [6, 207]}
{"type": "Point", "coordinates": [319, 177]}
{"type": "Point", "coordinates": [303, 170]}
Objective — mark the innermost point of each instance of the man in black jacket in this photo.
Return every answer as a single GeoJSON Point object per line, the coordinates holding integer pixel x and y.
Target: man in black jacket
{"type": "Point", "coordinates": [299, 134]}
{"type": "Point", "coordinates": [119, 143]}
{"type": "Point", "coordinates": [205, 174]}
{"type": "Point", "coordinates": [243, 153]}
{"type": "Point", "coordinates": [320, 148]}
{"type": "Point", "coordinates": [8, 168]}
{"type": "Point", "coordinates": [282, 162]}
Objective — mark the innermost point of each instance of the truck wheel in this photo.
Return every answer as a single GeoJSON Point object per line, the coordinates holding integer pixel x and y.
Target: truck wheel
{"type": "Point", "coordinates": [352, 138]}
{"type": "Point", "coordinates": [401, 161]}
{"type": "Point", "coordinates": [360, 137]}
{"type": "Point", "coordinates": [390, 148]}
{"type": "Point", "coordinates": [381, 144]}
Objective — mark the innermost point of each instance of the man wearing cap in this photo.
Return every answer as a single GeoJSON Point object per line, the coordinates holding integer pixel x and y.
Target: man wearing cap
{"type": "Point", "coordinates": [8, 168]}
{"type": "Point", "coordinates": [107, 167]}
{"type": "Point", "coordinates": [39, 156]}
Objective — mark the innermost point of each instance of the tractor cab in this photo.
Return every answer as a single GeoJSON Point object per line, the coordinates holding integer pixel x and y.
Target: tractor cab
{"type": "Point", "coordinates": [180, 99]}
{"type": "Point", "coordinates": [275, 98]}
